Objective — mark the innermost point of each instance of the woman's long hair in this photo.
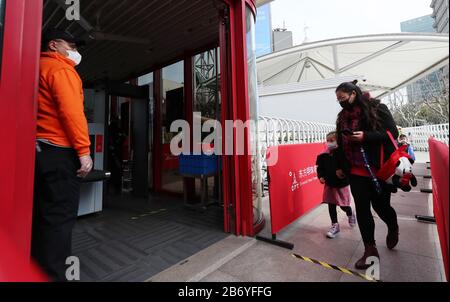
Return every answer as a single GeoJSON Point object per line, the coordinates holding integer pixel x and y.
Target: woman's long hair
{"type": "Point", "coordinates": [369, 117]}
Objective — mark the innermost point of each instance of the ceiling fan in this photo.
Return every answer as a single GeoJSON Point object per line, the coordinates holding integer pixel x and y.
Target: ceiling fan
{"type": "Point", "coordinates": [95, 32]}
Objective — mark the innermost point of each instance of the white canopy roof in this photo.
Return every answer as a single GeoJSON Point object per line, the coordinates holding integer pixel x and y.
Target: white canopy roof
{"type": "Point", "coordinates": [383, 63]}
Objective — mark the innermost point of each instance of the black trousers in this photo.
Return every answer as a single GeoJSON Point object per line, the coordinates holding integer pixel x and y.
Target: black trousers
{"type": "Point", "coordinates": [365, 195]}
{"type": "Point", "coordinates": [55, 209]}
{"type": "Point", "coordinates": [332, 209]}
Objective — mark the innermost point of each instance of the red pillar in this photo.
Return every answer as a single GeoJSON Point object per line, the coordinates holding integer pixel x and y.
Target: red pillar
{"type": "Point", "coordinates": [18, 92]}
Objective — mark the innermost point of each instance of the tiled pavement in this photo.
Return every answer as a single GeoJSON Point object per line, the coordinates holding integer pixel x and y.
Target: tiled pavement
{"type": "Point", "coordinates": [416, 258]}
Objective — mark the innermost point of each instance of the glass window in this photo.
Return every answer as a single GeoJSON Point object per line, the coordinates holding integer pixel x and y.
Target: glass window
{"type": "Point", "coordinates": [206, 86]}
{"type": "Point", "coordinates": [253, 103]}
{"type": "Point", "coordinates": [172, 103]}
{"type": "Point", "coordinates": [2, 26]}
{"type": "Point", "coordinates": [172, 109]}
{"type": "Point", "coordinates": [146, 79]}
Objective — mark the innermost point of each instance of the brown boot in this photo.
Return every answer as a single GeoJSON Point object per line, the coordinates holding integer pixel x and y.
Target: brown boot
{"type": "Point", "coordinates": [392, 238]}
{"type": "Point", "coordinates": [370, 251]}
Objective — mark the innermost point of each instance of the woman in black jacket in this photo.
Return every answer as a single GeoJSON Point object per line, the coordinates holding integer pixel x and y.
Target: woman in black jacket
{"type": "Point", "coordinates": [362, 127]}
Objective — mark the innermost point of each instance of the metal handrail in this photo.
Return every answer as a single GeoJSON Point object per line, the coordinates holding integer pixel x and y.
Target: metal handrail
{"type": "Point", "coordinates": [418, 136]}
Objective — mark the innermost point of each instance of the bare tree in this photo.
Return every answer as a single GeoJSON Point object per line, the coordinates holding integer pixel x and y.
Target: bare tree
{"type": "Point", "coordinates": [424, 102]}
{"type": "Point", "coordinates": [436, 97]}
{"type": "Point", "coordinates": [405, 111]}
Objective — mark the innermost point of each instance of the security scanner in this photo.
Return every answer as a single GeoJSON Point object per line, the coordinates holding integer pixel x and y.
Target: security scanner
{"type": "Point", "coordinates": [91, 195]}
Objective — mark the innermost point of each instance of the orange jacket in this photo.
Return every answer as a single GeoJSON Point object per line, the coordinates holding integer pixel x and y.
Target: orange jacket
{"type": "Point", "coordinates": [60, 118]}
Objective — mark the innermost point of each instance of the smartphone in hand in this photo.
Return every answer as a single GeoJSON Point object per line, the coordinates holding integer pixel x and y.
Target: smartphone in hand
{"type": "Point", "coordinates": [347, 132]}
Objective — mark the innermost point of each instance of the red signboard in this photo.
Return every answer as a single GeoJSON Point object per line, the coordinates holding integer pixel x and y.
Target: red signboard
{"type": "Point", "coordinates": [294, 188]}
{"type": "Point", "coordinates": [439, 163]}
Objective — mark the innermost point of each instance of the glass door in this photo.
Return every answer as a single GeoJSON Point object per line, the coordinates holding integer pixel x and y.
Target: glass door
{"type": "Point", "coordinates": [172, 109]}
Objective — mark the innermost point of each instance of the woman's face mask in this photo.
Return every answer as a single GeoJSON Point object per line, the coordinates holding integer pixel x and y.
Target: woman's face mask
{"type": "Point", "coordinates": [345, 100]}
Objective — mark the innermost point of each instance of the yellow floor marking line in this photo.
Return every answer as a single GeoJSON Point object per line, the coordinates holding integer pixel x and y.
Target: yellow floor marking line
{"type": "Point", "coordinates": [336, 268]}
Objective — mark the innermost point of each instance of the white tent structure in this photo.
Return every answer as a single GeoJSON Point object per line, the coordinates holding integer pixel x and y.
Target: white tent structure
{"type": "Point", "coordinates": [298, 83]}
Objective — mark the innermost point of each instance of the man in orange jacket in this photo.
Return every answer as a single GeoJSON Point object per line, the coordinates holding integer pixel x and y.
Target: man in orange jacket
{"type": "Point", "coordinates": [62, 152]}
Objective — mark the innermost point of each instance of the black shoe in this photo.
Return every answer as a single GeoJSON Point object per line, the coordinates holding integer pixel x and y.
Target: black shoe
{"type": "Point", "coordinates": [392, 239]}
{"type": "Point", "coordinates": [370, 251]}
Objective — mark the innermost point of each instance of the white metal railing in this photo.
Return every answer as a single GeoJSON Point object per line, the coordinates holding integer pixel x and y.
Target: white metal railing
{"type": "Point", "coordinates": [274, 131]}
{"type": "Point", "coordinates": [418, 136]}
{"type": "Point", "coordinates": [279, 131]}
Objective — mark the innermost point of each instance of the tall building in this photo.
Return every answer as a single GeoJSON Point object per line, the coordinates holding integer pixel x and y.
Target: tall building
{"type": "Point", "coordinates": [422, 24]}
{"type": "Point", "coordinates": [422, 88]}
{"type": "Point", "coordinates": [264, 44]}
{"type": "Point", "coordinates": [282, 39]}
{"type": "Point", "coordinates": [440, 15]}
{"type": "Point", "coordinates": [268, 40]}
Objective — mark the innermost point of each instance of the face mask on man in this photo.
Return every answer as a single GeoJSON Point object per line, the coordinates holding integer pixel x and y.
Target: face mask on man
{"type": "Point", "coordinates": [75, 56]}
{"type": "Point", "coordinates": [403, 141]}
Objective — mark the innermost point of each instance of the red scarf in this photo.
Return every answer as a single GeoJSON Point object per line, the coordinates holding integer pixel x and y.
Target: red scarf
{"type": "Point", "coordinates": [352, 150]}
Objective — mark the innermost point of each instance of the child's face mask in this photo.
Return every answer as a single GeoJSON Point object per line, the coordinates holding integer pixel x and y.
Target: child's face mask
{"type": "Point", "coordinates": [332, 145]}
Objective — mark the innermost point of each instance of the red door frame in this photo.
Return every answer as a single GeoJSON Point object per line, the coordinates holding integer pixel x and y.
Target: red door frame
{"type": "Point", "coordinates": [234, 89]}
{"type": "Point", "coordinates": [157, 138]}
{"type": "Point", "coordinates": [237, 168]}
{"type": "Point", "coordinates": [158, 151]}
{"type": "Point", "coordinates": [18, 92]}
{"type": "Point", "coordinates": [188, 110]}
{"type": "Point", "coordinates": [228, 187]}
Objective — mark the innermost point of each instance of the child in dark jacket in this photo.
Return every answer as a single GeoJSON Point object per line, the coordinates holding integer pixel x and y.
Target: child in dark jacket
{"type": "Point", "coordinates": [336, 191]}
{"type": "Point", "coordinates": [403, 140]}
